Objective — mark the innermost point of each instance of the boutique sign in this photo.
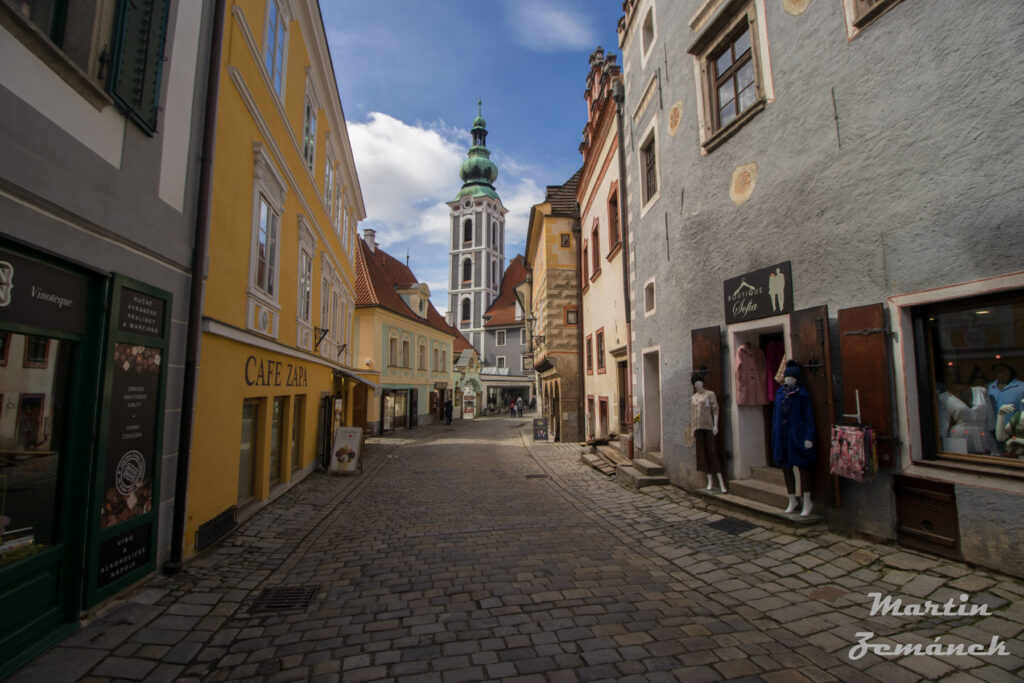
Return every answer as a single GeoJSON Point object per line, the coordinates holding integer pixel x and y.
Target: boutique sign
{"type": "Point", "coordinates": [759, 294]}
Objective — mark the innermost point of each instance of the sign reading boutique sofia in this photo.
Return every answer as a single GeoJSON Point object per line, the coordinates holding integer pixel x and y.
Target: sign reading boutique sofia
{"type": "Point", "coordinates": [759, 294]}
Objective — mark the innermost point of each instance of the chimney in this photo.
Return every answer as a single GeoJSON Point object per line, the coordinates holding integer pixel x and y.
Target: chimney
{"type": "Point", "coordinates": [369, 235]}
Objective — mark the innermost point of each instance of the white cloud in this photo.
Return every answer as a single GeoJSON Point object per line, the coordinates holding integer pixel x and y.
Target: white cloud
{"type": "Point", "coordinates": [540, 26]}
{"type": "Point", "coordinates": [520, 198]}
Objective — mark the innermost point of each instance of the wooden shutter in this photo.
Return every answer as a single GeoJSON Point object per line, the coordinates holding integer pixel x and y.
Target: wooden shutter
{"type": "Point", "coordinates": [138, 57]}
{"type": "Point", "coordinates": [706, 348]}
{"type": "Point", "coordinates": [359, 406]}
{"type": "Point", "coordinates": [867, 374]}
{"type": "Point", "coordinates": [414, 400]}
{"type": "Point", "coordinates": [811, 347]}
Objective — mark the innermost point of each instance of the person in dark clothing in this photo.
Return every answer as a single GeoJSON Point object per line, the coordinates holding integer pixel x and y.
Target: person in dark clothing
{"type": "Point", "coordinates": [448, 407]}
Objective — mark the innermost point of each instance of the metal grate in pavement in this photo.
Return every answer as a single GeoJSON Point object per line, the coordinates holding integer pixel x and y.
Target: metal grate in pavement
{"type": "Point", "coordinates": [284, 598]}
{"type": "Point", "coordinates": [536, 476]}
{"type": "Point", "coordinates": [731, 526]}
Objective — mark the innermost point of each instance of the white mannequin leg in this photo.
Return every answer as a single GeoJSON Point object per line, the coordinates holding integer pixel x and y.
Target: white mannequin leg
{"type": "Point", "coordinates": [710, 484]}
{"type": "Point", "coordinates": [721, 483]}
{"type": "Point", "coordinates": [792, 503]}
{"type": "Point", "coordinates": [807, 505]}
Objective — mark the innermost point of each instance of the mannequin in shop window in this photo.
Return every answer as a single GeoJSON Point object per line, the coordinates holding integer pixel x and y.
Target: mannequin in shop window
{"type": "Point", "coordinates": [704, 422]}
{"type": "Point", "coordinates": [965, 420]}
{"type": "Point", "coordinates": [793, 437]}
{"type": "Point", "coordinates": [1010, 429]}
{"type": "Point", "coordinates": [1004, 390]}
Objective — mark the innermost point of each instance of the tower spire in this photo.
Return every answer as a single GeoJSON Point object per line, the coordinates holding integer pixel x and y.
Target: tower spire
{"type": "Point", "coordinates": [478, 172]}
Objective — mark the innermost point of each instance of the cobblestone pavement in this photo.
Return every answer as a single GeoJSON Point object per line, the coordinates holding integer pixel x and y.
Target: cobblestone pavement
{"type": "Point", "coordinates": [468, 553]}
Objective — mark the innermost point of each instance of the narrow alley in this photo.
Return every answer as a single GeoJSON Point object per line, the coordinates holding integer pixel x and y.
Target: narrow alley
{"type": "Point", "coordinates": [470, 553]}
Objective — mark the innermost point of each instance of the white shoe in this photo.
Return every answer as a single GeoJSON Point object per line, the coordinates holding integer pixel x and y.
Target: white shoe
{"type": "Point", "coordinates": [792, 504]}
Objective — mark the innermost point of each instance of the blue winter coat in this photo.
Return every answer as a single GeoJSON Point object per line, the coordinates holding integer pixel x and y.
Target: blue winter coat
{"type": "Point", "coordinates": [792, 424]}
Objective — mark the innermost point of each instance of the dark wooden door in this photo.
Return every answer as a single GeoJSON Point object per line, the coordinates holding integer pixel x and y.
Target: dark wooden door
{"type": "Point", "coordinates": [414, 407]}
{"type": "Point", "coordinates": [706, 349]}
{"type": "Point", "coordinates": [359, 407]}
{"type": "Point", "coordinates": [622, 384]}
{"type": "Point", "coordinates": [864, 352]}
{"type": "Point", "coordinates": [811, 347]}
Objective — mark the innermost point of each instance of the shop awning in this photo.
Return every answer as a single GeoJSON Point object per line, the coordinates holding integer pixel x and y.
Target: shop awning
{"type": "Point", "coordinates": [342, 372]}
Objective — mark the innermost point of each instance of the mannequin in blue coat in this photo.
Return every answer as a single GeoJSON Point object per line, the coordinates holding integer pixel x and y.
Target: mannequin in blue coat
{"type": "Point", "coordinates": [793, 437]}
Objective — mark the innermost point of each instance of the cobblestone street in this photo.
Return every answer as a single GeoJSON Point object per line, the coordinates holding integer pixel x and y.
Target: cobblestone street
{"type": "Point", "coordinates": [468, 553]}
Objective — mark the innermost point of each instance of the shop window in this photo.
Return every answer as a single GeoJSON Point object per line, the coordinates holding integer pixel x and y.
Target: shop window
{"type": "Point", "coordinates": [275, 45]}
{"type": "Point", "coordinates": [599, 349]}
{"type": "Point", "coordinates": [277, 414]}
{"type": "Point", "coordinates": [248, 451]}
{"type": "Point", "coordinates": [499, 338]}
{"type": "Point", "coordinates": [734, 82]}
{"type": "Point", "coordinates": [298, 417]}
{"type": "Point", "coordinates": [590, 355]}
{"type": "Point", "coordinates": [971, 359]}
{"type": "Point", "coordinates": [37, 351]}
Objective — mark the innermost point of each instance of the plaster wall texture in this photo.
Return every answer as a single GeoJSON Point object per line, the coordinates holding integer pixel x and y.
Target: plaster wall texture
{"type": "Point", "coordinates": [513, 349]}
{"type": "Point", "coordinates": [918, 188]}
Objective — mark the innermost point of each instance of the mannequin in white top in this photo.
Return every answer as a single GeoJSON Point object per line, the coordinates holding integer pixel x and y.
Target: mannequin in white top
{"type": "Point", "coordinates": [704, 414]}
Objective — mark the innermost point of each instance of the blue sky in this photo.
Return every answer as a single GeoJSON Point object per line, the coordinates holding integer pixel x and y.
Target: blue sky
{"type": "Point", "coordinates": [410, 74]}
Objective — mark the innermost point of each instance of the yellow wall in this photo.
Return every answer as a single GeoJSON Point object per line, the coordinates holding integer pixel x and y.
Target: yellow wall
{"type": "Point", "coordinates": [251, 113]}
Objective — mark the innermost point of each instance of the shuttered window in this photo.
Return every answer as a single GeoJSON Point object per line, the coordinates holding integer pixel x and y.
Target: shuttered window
{"type": "Point", "coordinates": [138, 56]}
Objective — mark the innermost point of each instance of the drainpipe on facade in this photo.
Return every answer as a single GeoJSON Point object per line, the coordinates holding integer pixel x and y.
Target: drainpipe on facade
{"type": "Point", "coordinates": [581, 419]}
{"type": "Point", "coordinates": [619, 95]}
{"type": "Point", "coordinates": [200, 249]}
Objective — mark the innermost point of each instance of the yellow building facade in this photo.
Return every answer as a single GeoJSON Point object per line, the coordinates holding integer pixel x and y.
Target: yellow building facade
{"type": "Point", "coordinates": [552, 258]}
{"type": "Point", "coordinates": [403, 345]}
{"type": "Point", "coordinates": [275, 368]}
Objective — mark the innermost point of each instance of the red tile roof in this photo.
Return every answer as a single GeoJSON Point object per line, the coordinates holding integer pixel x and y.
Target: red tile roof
{"type": "Point", "coordinates": [378, 277]}
{"type": "Point", "coordinates": [503, 310]}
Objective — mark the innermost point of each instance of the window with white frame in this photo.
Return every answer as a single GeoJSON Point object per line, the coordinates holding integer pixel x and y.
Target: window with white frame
{"type": "Point", "coordinates": [275, 44]}
{"type": "Point", "coordinates": [393, 352]}
{"type": "Point", "coordinates": [325, 304]}
{"type": "Point", "coordinates": [647, 35]}
{"type": "Point", "coordinates": [267, 227]}
{"type": "Point", "coordinates": [436, 366]}
{"type": "Point", "coordinates": [268, 204]}
{"type": "Point", "coordinates": [309, 133]}
{"type": "Point", "coordinates": [406, 358]}
{"type": "Point", "coordinates": [522, 336]}
{"type": "Point", "coordinates": [335, 315]}
{"type": "Point", "coordinates": [519, 310]}
{"type": "Point", "coordinates": [734, 80]}
{"type": "Point", "coordinates": [649, 300]}
{"type": "Point", "coordinates": [422, 361]}
{"type": "Point", "coordinates": [499, 338]}
{"type": "Point", "coordinates": [500, 361]}
{"type": "Point", "coordinates": [305, 286]}
{"type": "Point", "coordinates": [649, 166]}
{"type": "Point", "coordinates": [329, 183]}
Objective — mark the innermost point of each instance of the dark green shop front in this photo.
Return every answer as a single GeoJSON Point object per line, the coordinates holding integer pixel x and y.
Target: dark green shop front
{"type": "Point", "coordinates": [82, 377]}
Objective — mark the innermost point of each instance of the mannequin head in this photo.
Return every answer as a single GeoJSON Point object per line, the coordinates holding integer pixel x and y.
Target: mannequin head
{"type": "Point", "coordinates": [792, 373]}
{"type": "Point", "coordinates": [697, 380]}
{"type": "Point", "coordinates": [698, 386]}
{"type": "Point", "coordinates": [1004, 373]}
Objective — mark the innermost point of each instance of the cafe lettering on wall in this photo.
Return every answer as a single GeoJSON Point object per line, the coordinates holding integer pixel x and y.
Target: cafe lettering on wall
{"type": "Point", "coordinates": [273, 373]}
{"type": "Point", "coordinates": [759, 294]}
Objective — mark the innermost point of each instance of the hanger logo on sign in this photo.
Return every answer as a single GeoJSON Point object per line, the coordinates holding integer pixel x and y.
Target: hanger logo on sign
{"type": "Point", "coordinates": [6, 282]}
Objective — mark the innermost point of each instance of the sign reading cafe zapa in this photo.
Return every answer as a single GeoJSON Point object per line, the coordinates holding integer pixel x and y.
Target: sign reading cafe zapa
{"type": "Point", "coordinates": [759, 294]}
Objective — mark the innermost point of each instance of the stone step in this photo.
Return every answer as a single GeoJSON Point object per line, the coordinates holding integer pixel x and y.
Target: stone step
{"type": "Point", "coordinates": [634, 478]}
{"type": "Point", "coordinates": [761, 491]}
{"type": "Point", "coordinates": [755, 509]}
{"type": "Point", "coordinates": [771, 475]}
{"type": "Point", "coordinates": [654, 456]}
{"type": "Point", "coordinates": [648, 468]}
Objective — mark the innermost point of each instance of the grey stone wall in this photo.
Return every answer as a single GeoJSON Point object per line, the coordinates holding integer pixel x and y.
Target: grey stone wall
{"type": "Point", "coordinates": [916, 185]}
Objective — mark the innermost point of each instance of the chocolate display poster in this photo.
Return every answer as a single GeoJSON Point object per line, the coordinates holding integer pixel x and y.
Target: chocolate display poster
{"type": "Point", "coordinates": [131, 439]}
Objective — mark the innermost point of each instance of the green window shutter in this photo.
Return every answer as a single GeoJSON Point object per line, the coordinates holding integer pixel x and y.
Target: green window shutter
{"type": "Point", "coordinates": [138, 59]}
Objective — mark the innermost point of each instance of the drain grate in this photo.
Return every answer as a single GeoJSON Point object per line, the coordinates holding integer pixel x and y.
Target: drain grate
{"type": "Point", "coordinates": [536, 476]}
{"type": "Point", "coordinates": [731, 526]}
{"type": "Point", "coordinates": [284, 598]}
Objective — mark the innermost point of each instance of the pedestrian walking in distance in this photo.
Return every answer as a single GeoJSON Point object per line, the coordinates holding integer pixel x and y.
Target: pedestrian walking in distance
{"type": "Point", "coordinates": [448, 407]}
{"type": "Point", "coordinates": [520, 405]}
{"type": "Point", "coordinates": [512, 407]}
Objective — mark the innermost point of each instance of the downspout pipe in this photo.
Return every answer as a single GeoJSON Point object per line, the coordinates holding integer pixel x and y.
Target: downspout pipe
{"type": "Point", "coordinates": [577, 231]}
{"type": "Point", "coordinates": [200, 250]}
{"type": "Point", "coordinates": [619, 95]}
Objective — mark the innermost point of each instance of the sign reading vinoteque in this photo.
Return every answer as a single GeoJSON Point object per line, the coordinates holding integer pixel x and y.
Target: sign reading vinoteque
{"type": "Point", "coordinates": [759, 294]}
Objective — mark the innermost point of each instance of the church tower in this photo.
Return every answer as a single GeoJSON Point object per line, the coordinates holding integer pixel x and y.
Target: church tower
{"type": "Point", "coordinates": [477, 255]}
